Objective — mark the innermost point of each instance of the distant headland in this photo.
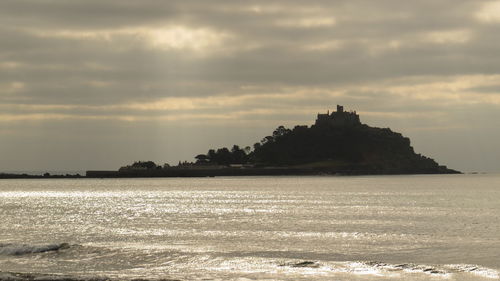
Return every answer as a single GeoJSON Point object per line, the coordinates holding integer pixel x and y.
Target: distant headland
{"type": "Point", "coordinates": [336, 144]}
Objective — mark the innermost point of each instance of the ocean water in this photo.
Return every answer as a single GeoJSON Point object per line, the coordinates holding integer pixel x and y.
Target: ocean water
{"type": "Point", "coordinates": [439, 227]}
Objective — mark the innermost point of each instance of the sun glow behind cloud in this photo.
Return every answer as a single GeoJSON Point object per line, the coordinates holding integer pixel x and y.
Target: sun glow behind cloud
{"type": "Point", "coordinates": [179, 37]}
{"type": "Point", "coordinates": [489, 12]}
{"type": "Point", "coordinates": [321, 21]}
{"type": "Point", "coordinates": [174, 37]}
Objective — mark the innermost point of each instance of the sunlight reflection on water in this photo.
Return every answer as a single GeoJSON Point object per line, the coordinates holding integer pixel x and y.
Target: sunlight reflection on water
{"type": "Point", "coordinates": [228, 228]}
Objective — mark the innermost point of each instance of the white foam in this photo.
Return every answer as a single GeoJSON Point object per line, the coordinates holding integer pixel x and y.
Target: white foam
{"type": "Point", "coordinates": [475, 269]}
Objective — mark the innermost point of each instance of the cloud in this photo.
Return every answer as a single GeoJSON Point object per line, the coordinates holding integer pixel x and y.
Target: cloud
{"type": "Point", "coordinates": [452, 36]}
{"type": "Point", "coordinates": [489, 12]}
{"type": "Point", "coordinates": [168, 37]}
{"type": "Point", "coordinates": [307, 22]}
{"type": "Point", "coordinates": [399, 98]}
{"type": "Point", "coordinates": [194, 62]}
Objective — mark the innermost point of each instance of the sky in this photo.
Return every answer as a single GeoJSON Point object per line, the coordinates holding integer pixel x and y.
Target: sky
{"type": "Point", "coordinates": [98, 84]}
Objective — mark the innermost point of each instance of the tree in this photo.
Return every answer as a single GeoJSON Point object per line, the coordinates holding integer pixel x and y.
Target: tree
{"type": "Point", "coordinates": [201, 159]}
{"type": "Point", "coordinates": [144, 164]}
{"type": "Point", "coordinates": [280, 131]}
{"type": "Point", "coordinates": [238, 155]}
{"type": "Point", "coordinates": [223, 156]}
{"type": "Point", "coordinates": [256, 146]}
{"type": "Point", "coordinates": [267, 139]}
{"type": "Point", "coordinates": [211, 155]}
{"type": "Point", "coordinates": [247, 150]}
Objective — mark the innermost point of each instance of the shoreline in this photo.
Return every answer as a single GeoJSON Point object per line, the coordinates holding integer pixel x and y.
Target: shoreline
{"type": "Point", "coordinates": [225, 172]}
{"type": "Point", "coordinates": [404, 269]}
{"type": "Point", "coordinates": [19, 276]}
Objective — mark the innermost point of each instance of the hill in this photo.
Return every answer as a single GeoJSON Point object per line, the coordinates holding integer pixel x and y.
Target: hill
{"type": "Point", "coordinates": [337, 142]}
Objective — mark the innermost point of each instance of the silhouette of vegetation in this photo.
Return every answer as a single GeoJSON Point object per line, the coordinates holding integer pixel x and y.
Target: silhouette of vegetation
{"type": "Point", "coordinates": [224, 156]}
{"type": "Point", "coordinates": [141, 165]}
{"type": "Point", "coordinates": [336, 142]}
{"type": "Point", "coordinates": [350, 147]}
{"type": "Point", "coordinates": [145, 164]}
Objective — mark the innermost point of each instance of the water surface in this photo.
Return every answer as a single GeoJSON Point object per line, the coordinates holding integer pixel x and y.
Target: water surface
{"type": "Point", "coordinates": [276, 228]}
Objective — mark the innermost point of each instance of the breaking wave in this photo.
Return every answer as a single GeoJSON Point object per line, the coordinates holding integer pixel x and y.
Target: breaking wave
{"type": "Point", "coordinates": [254, 266]}
{"type": "Point", "coordinates": [10, 276]}
{"type": "Point", "coordinates": [24, 249]}
{"type": "Point", "coordinates": [294, 269]}
{"type": "Point", "coordinates": [440, 269]}
{"type": "Point", "coordinates": [381, 268]}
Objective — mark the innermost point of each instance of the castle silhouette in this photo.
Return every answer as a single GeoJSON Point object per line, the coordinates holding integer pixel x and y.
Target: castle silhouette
{"type": "Point", "coordinates": [340, 118]}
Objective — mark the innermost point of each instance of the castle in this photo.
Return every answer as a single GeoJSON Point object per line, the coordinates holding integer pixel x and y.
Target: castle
{"type": "Point", "coordinates": [340, 118]}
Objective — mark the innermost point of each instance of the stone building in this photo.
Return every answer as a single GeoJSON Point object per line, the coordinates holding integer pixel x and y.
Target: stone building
{"type": "Point", "coordinates": [340, 118]}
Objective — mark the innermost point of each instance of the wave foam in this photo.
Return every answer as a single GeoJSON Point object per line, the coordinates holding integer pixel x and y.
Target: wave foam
{"type": "Point", "coordinates": [23, 249]}
{"type": "Point", "coordinates": [446, 269]}
{"type": "Point", "coordinates": [387, 269]}
{"type": "Point", "coordinates": [475, 269]}
{"type": "Point", "coordinates": [10, 276]}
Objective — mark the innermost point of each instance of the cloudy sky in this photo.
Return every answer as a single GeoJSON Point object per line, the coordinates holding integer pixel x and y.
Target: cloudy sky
{"type": "Point", "coordinates": [96, 84]}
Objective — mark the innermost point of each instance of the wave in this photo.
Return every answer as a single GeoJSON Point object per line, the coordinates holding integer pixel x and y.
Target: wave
{"type": "Point", "coordinates": [292, 270]}
{"type": "Point", "coordinates": [474, 269]}
{"type": "Point", "coordinates": [193, 265]}
{"type": "Point", "coordinates": [387, 269]}
{"type": "Point", "coordinates": [446, 269]}
{"type": "Point", "coordinates": [24, 249]}
{"type": "Point", "coordinates": [11, 276]}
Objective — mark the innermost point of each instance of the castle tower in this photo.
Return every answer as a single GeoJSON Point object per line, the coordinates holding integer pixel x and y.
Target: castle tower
{"type": "Point", "coordinates": [340, 118]}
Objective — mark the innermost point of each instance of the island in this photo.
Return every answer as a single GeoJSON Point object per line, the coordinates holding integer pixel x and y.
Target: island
{"type": "Point", "coordinates": [336, 144]}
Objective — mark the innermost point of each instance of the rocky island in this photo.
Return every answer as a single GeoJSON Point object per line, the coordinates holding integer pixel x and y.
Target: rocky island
{"type": "Point", "coordinates": [337, 144]}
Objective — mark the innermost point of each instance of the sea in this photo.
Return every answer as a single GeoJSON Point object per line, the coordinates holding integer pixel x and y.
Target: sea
{"type": "Point", "coordinates": [420, 227]}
